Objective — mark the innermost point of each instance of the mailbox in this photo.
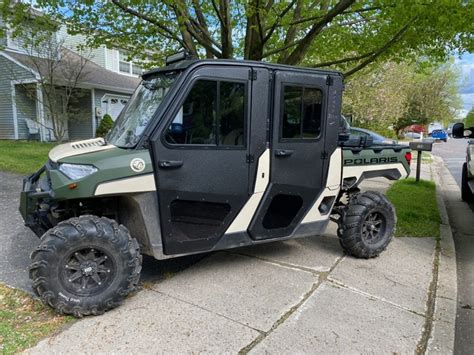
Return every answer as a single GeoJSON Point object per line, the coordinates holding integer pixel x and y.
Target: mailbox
{"type": "Point", "coordinates": [423, 146]}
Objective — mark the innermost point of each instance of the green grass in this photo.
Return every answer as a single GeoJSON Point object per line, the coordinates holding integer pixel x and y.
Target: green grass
{"type": "Point", "coordinates": [24, 321]}
{"type": "Point", "coordinates": [416, 206]}
{"type": "Point", "coordinates": [23, 157]}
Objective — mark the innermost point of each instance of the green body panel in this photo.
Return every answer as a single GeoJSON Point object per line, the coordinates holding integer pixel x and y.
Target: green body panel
{"type": "Point", "coordinates": [377, 155]}
{"type": "Point", "coordinates": [112, 164]}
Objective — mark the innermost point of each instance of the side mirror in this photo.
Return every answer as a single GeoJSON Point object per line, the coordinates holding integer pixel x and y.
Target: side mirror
{"type": "Point", "coordinates": [459, 131]}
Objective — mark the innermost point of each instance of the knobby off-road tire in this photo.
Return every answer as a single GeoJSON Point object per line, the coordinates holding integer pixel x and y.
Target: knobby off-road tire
{"type": "Point", "coordinates": [466, 193]}
{"type": "Point", "coordinates": [85, 265]}
{"type": "Point", "coordinates": [368, 225]}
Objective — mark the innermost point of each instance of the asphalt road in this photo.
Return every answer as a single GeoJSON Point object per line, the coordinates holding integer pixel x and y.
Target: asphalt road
{"type": "Point", "coordinates": [454, 155]}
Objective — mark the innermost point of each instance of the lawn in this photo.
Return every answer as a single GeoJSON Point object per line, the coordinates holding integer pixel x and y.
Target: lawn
{"type": "Point", "coordinates": [416, 206]}
{"type": "Point", "coordinates": [23, 157]}
{"type": "Point", "coordinates": [24, 321]}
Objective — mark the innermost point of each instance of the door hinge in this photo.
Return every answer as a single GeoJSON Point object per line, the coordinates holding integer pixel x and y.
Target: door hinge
{"type": "Point", "coordinates": [250, 158]}
{"type": "Point", "coordinates": [329, 80]}
{"type": "Point", "coordinates": [252, 75]}
{"type": "Point", "coordinates": [324, 155]}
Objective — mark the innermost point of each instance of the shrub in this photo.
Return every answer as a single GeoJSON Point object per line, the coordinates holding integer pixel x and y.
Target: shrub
{"type": "Point", "coordinates": [105, 125]}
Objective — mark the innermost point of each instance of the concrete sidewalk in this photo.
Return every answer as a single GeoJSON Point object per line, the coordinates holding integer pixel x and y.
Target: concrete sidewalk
{"type": "Point", "coordinates": [286, 297]}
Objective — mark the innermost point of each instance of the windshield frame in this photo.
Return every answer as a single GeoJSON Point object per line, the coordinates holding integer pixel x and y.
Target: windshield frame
{"type": "Point", "coordinates": [164, 101]}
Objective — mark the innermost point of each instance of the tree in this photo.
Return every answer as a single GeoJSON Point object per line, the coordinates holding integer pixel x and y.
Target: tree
{"type": "Point", "coordinates": [59, 73]}
{"type": "Point", "coordinates": [432, 97]}
{"type": "Point", "coordinates": [344, 34]}
{"type": "Point", "coordinates": [399, 94]}
{"type": "Point", "coordinates": [469, 120]}
{"type": "Point", "coordinates": [106, 123]}
{"type": "Point", "coordinates": [378, 98]}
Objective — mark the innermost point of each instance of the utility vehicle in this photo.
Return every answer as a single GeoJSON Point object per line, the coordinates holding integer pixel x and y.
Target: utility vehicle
{"type": "Point", "coordinates": [467, 180]}
{"type": "Point", "coordinates": [207, 155]}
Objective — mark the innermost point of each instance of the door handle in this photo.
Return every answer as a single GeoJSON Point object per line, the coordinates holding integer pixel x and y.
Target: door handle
{"type": "Point", "coordinates": [283, 152]}
{"type": "Point", "coordinates": [170, 164]}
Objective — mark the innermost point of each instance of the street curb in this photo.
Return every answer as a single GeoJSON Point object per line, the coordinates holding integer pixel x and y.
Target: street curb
{"type": "Point", "coordinates": [444, 317]}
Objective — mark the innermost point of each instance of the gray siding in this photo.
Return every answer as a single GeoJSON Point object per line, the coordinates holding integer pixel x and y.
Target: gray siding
{"type": "Point", "coordinates": [8, 71]}
{"type": "Point", "coordinates": [96, 55]}
{"type": "Point", "coordinates": [81, 127]}
{"type": "Point", "coordinates": [25, 108]}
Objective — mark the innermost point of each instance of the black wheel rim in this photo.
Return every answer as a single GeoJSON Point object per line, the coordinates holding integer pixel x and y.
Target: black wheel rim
{"type": "Point", "coordinates": [87, 271]}
{"type": "Point", "coordinates": [373, 228]}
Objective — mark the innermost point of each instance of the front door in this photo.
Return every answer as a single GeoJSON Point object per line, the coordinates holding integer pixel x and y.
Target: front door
{"type": "Point", "coordinates": [200, 153]}
{"type": "Point", "coordinates": [297, 158]}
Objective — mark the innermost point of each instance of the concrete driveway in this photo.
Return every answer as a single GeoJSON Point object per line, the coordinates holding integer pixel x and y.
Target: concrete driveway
{"type": "Point", "coordinates": [297, 296]}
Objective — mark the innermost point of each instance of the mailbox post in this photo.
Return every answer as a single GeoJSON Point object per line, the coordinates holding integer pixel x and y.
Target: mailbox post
{"type": "Point", "coordinates": [422, 146]}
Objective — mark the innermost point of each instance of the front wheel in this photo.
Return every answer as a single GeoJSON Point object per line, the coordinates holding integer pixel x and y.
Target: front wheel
{"type": "Point", "coordinates": [85, 265]}
{"type": "Point", "coordinates": [466, 193]}
{"type": "Point", "coordinates": [367, 226]}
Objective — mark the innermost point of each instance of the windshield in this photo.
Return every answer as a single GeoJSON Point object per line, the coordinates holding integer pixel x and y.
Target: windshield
{"type": "Point", "coordinates": [134, 118]}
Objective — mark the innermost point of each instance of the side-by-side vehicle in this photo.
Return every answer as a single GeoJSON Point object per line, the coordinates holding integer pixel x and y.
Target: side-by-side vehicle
{"type": "Point", "coordinates": [207, 155]}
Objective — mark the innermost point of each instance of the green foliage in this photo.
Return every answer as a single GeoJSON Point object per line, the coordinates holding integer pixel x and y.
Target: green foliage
{"type": "Point", "coordinates": [393, 96]}
{"type": "Point", "coordinates": [106, 123]}
{"type": "Point", "coordinates": [23, 157]}
{"type": "Point", "coordinates": [469, 120]}
{"type": "Point", "coordinates": [416, 206]}
{"type": "Point", "coordinates": [347, 35]}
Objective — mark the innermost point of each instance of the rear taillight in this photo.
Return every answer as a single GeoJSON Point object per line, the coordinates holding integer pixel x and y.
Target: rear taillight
{"type": "Point", "coordinates": [408, 157]}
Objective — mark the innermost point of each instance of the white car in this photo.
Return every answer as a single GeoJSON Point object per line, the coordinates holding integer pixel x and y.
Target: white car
{"type": "Point", "coordinates": [412, 135]}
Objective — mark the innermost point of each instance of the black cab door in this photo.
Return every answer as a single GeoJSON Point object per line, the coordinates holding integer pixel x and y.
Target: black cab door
{"type": "Point", "coordinates": [297, 154]}
{"type": "Point", "coordinates": [200, 153]}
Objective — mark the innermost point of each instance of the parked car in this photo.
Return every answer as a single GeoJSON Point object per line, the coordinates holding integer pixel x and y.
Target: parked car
{"type": "Point", "coordinates": [440, 134]}
{"type": "Point", "coordinates": [377, 138]}
{"type": "Point", "coordinates": [467, 180]}
{"type": "Point", "coordinates": [412, 135]}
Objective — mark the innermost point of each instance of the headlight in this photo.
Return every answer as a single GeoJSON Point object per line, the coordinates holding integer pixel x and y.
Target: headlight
{"type": "Point", "coordinates": [76, 171]}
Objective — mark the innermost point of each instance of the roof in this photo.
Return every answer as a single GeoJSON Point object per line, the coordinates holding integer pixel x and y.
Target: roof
{"type": "Point", "coordinates": [94, 76]}
{"type": "Point", "coordinates": [184, 64]}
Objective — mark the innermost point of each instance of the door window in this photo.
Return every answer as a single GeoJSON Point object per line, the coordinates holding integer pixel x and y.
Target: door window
{"type": "Point", "coordinates": [213, 114]}
{"type": "Point", "coordinates": [302, 110]}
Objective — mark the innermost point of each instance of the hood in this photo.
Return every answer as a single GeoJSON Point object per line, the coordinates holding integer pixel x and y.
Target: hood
{"type": "Point", "coordinates": [78, 148]}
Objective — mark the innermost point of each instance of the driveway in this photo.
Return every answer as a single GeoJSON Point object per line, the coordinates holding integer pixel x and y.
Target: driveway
{"type": "Point", "coordinates": [16, 241]}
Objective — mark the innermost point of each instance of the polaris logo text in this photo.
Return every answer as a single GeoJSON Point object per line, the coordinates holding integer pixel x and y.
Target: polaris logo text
{"type": "Point", "coordinates": [368, 161]}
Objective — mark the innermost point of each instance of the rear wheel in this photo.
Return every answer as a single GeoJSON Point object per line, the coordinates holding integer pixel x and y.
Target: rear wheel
{"type": "Point", "coordinates": [466, 192]}
{"type": "Point", "coordinates": [367, 225]}
{"type": "Point", "coordinates": [85, 265]}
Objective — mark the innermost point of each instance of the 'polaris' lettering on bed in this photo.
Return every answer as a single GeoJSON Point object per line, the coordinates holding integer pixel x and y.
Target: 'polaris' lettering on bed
{"type": "Point", "coordinates": [367, 161]}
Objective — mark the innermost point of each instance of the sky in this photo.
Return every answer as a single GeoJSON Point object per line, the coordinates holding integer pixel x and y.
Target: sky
{"type": "Point", "coordinates": [466, 66]}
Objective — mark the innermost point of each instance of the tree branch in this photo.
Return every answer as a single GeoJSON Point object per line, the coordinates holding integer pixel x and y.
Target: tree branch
{"type": "Point", "coordinates": [167, 32]}
{"type": "Point", "coordinates": [382, 49]}
{"type": "Point", "coordinates": [300, 50]}
{"type": "Point", "coordinates": [344, 60]}
{"type": "Point", "coordinates": [278, 21]}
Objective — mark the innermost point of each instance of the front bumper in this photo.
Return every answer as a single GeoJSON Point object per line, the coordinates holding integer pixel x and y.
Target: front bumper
{"type": "Point", "coordinates": [34, 201]}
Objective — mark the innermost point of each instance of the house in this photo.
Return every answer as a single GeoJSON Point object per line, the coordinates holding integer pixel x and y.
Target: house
{"type": "Point", "coordinates": [107, 85]}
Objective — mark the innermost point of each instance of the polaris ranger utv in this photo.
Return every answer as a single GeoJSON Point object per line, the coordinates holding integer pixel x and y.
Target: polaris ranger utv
{"type": "Point", "coordinates": [207, 155]}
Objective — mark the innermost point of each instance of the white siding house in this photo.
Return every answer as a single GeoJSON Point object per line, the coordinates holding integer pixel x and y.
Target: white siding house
{"type": "Point", "coordinates": [108, 85]}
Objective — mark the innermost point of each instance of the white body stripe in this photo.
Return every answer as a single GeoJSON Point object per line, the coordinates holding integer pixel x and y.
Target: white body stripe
{"type": "Point", "coordinates": [333, 185]}
{"type": "Point", "coordinates": [78, 148]}
{"type": "Point", "coordinates": [243, 219]}
{"type": "Point", "coordinates": [140, 183]}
